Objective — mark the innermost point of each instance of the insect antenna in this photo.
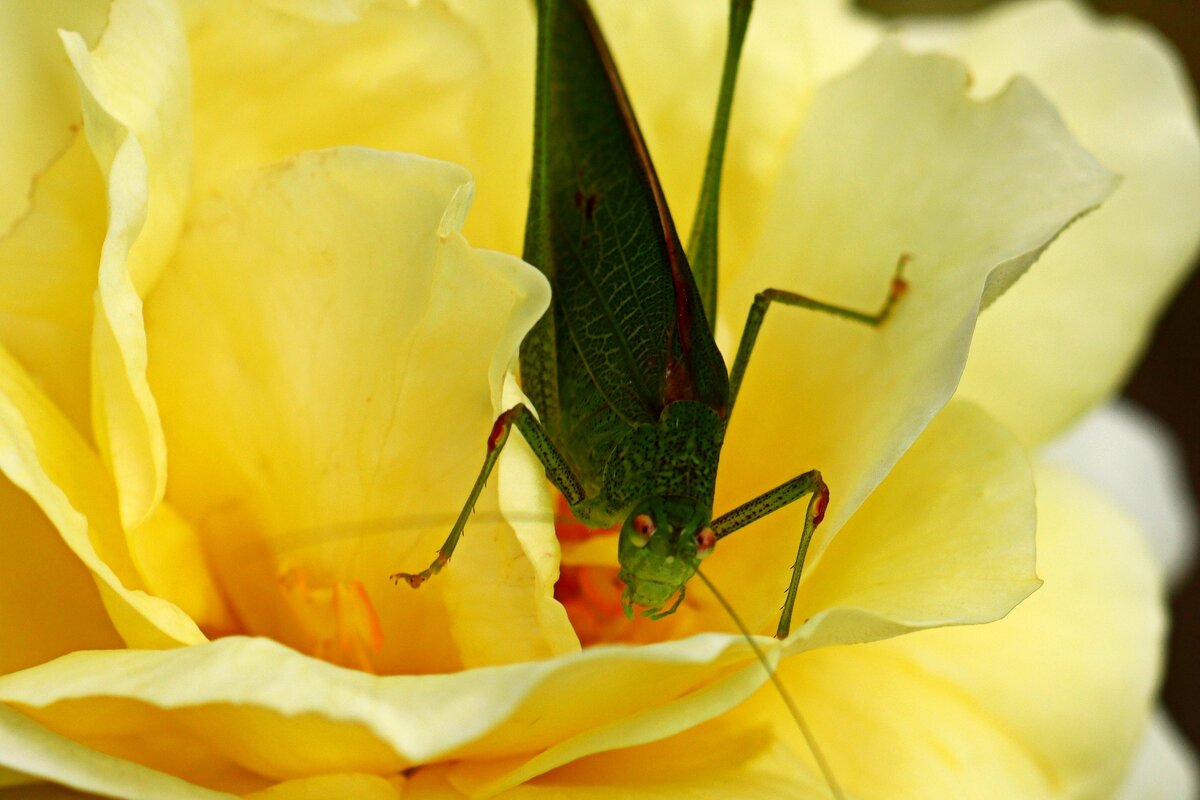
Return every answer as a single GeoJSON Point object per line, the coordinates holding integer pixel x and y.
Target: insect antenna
{"type": "Point", "coordinates": [784, 694]}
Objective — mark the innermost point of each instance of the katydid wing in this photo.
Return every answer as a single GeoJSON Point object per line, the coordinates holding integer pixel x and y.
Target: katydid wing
{"type": "Point", "coordinates": [633, 394]}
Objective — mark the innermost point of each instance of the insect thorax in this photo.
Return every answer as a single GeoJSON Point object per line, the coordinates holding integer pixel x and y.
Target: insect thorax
{"type": "Point", "coordinates": [677, 457]}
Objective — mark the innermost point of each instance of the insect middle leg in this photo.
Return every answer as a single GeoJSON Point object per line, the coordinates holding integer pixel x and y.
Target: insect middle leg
{"type": "Point", "coordinates": [809, 483]}
{"type": "Point", "coordinates": [557, 470]}
{"type": "Point", "coordinates": [763, 300]}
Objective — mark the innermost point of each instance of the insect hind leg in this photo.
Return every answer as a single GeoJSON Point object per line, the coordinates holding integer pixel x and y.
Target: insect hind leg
{"type": "Point", "coordinates": [764, 299]}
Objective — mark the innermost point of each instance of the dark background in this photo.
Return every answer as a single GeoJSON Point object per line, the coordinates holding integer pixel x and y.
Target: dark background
{"type": "Point", "coordinates": [1167, 383]}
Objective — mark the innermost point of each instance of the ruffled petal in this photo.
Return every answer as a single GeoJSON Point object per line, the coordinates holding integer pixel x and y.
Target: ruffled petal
{"type": "Point", "coordinates": [1068, 333]}
{"type": "Point", "coordinates": [36, 625]}
{"type": "Point", "coordinates": [1135, 462]}
{"type": "Point", "coordinates": [1165, 766]}
{"type": "Point", "coordinates": [44, 456]}
{"type": "Point", "coordinates": [52, 209]}
{"type": "Point", "coordinates": [791, 48]}
{"type": "Point", "coordinates": [723, 758]}
{"type": "Point", "coordinates": [892, 159]}
{"type": "Point", "coordinates": [349, 349]}
{"type": "Point", "coordinates": [409, 77]}
{"type": "Point", "coordinates": [946, 539]}
{"type": "Point", "coordinates": [37, 95]}
{"type": "Point", "coordinates": [36, 751]}
{"type": "Point", "coordinates": [1002, 710]}
{"type": "Point", "coordinates": [321, 787]}
{"type": "Point", "coordinates": [244, 714]}
{"type": "Point", "coordinates": [1095, 630]}
{"type": "Point", "coordinates": [136, 106]}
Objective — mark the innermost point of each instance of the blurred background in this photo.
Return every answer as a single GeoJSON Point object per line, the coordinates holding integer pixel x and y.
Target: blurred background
{"type": "Point", "coordinates": [1167, 383]}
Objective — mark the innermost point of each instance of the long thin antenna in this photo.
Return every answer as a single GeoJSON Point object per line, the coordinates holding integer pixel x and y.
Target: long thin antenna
{"type": "Point", "coordinates": [822, 764]}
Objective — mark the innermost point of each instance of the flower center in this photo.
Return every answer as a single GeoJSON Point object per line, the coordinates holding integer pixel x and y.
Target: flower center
{"type": "Point", "coordinates": [337, 617]}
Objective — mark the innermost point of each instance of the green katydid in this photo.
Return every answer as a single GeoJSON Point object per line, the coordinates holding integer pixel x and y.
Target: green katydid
{"type": "Point", "coordinates": [633, 394]}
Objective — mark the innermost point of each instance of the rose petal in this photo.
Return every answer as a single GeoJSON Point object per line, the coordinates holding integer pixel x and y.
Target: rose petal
{"type": "Point", "coordinates": [44, 791]}
{"type": "Point", "coordinates": [321, 787]}
{"type": "Point", "coordinates": [1068, 334]}
{"type": "Point", "coordinates": [1095, 630]}
{"type": "Point", "coordinates": [1165, 765]}
{"type": "Point", "coordinates": [9, 778]}
{"type": "Point", "coordinates": [30, 747]}
{"type": "Point", "coordinates": [721, 758]}
{"type": "Point", "coordinates": [37, 91]}
{"type": "Point", "coordinates": [43, 455]}
{"type": "Point", "coordinates": [953, 712]}
{"type": "Point", "coordinates": [892, 732]}
{"type": "Point", "coordinates": [238, 712]}
{"type": "Point", "coordinates": [892, 158]}
{"type": "Point", "coordinates": [344, 336]}
{"type": "Point", "coordinates": [409, 77]}
{"type": "Point", "coordinates": [136, 107]}
{"type": "Point", "coordinates": [946, 539]}
{"type": "Point", "coordinates": [791, 48]}
{"type": "Point", "coordinates": [170, 558]}
{"type": "Point", "coordinates": [338, 11]}
{"type": "Point", "coordinates": [1132, 458]}
{"type": "Point", "coordinates": [37, 625]}
{"type": "Point", "coordinates": [52, 214]}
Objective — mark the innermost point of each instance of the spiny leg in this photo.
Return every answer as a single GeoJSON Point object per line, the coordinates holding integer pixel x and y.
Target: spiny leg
{"type": "Point", "coordinates": [768, 502]}
{"type": "Point", "coordinates": [557, 470]}
{"type": "Point", "coordinates": [763, 300]}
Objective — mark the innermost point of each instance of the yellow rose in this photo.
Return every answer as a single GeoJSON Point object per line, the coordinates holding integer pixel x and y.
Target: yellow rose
{"type": "Point", "coordinates": [248, 368]}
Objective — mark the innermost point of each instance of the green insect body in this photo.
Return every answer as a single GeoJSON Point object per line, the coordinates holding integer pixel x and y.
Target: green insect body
{"type": "Point", "coordinates": [633, 395]}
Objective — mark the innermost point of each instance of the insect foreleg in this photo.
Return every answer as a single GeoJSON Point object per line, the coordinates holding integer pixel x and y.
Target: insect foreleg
{"type": "Point", "coordinates": [763, 300]}
{"type": "Point", "coordinates": [557, 470]}
{"type": "Point", "coordinates": [808, 483]}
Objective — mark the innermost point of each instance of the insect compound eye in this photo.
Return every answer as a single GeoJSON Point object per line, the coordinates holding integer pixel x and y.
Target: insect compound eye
{"type": "Point", "coordinates": [643, 529]}
{"type": "Point", "coordinates": [706, 540]}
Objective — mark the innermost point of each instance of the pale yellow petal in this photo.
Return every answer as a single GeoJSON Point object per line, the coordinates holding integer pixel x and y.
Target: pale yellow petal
{"type": "Point", "coordinates": [946, 539]}
{"type": "Point", "coordinates": [891, 159]}
{"type": "Point", "coordinates": [328, 352]}
{"type": "Point", "coordinates": [169, 556]}
{"type": "Point", "coordinates": [1072, 672]}
{"type": "Point", "coordinates": [134, 86]}
{"type": "Point", "coordinates": [1165, 767]}
{"type": "Point", "coordinates": [136, 106]}
{"type": "Point", "coordinates": [49, 250]}
{"type": "Point", "coordinates": [890, 731]}
{"type": "Point", "coordinates": [718, 759]}
{"type": "Point", "coordinates": [9, 778]}
{"type": "Point", "coordinates": [322, 787]}
{"type": "Point", "coordinates": [37, 94]}
{"type": "Point", "coordinates": [46, 458]}
{"type": "Point", "coordinates": [409, 77]}
{"type": "Point", "coordinates": [44, 791]}
{"type": "Point", "coordinates": [1137, 463]}
{"type": "Point", "coordinates": [322, 10]}
{"type": "Point", "coordinates": [1068, 333]}
{"type": "Point", "coordinates": [48, 602]}
{"type": "Point", "coordinates": [36, 751]}
{"type": "Point", "coordinates": [1049, 702]}
{"type": "Point", "coordinates": [672, 78]}
{"type": "Point", "coordinates": [242, 714]}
